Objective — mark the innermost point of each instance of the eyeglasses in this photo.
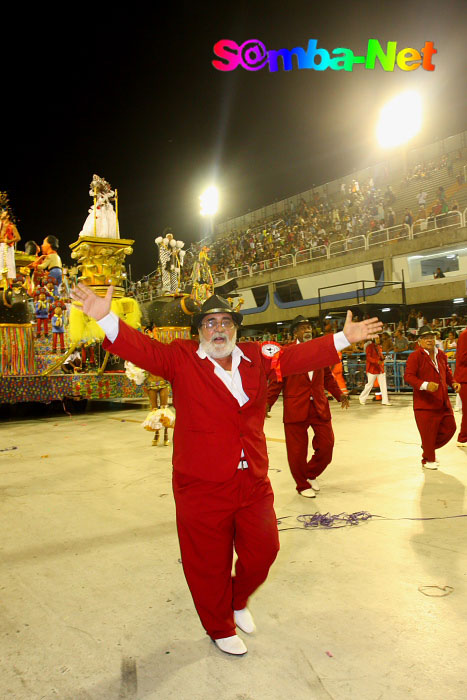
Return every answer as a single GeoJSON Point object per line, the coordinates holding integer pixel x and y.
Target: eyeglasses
{"type": "Point", "coordinates": [225, 323]}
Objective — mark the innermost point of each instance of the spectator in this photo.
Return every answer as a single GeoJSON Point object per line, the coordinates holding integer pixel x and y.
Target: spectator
{"type": "Point", "coordinates": [439, 273]}
{"type": "Point", "coordinates": [386, 343]}
{"type": "Point", "coordinates": [450, 344]}
{"type": "Point", "coordinates": [401, 343]}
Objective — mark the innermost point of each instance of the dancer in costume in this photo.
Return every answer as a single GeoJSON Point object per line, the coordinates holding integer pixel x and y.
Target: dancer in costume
{"type": "Point", "coordinates": [102, 217]}
{"type": "Point", "coordinates": [171, 261]}
{"type": "Point", "coordinates": [9, 236]}
{"type": "Point", "coordinates": [201, 277]}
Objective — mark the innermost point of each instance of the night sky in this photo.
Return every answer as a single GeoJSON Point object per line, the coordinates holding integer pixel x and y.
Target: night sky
{"type": "Point", "coordinates": [132, 96]}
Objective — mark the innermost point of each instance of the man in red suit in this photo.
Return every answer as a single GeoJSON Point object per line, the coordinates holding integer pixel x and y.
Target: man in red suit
{"type": "Point", "coordinates": [375, 370]}
{"type": "Point", "coordinates": [428, 372]}
{"type": "Point", "coordinates": [223, 496]}
{"type": "Point", "coordinates": [460, 376]}
{"type": "Point", "coordinates": [305, 405]}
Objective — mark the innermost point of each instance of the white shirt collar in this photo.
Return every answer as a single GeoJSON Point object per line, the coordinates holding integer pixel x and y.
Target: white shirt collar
{"type": "Point", "coordinates": [435, 361]}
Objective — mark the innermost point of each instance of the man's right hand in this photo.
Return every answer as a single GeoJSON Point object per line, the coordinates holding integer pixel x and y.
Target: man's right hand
{"type": "Point", "coordinates": [93, 306]}
{"type": "Point", "coordinates": [432, 386]}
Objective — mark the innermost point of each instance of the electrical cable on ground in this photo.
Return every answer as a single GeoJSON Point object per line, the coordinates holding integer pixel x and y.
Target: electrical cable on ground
{"type": "Point", "coordinates": [327, 521]}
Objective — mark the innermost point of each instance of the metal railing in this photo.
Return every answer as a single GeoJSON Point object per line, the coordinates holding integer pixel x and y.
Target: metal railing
{"type": "Point", "coordinates": [354, 367]}
{"type": "Point", "coordinates": [436, 222]}
{"type": "Point", "coordinates": [359, 242]}
{"type": "Point", "coordinates": [386, 235]}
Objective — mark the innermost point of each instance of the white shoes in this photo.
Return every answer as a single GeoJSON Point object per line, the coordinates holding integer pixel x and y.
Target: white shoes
{"type": "Point", "coordinates": [361, 401]}
{"type": "Point", "coordinates": [430, 465]}
{"type": "Point", "coordinates": [307, 493]}
{"type": "Point", "coordinates": [386, 404]}
{"type": "Point", "coordinates": [314, 484]}
{"type": "Point", "coordinates": [231, 645]}
{"type": "Point", "coordinates": [244, 620]}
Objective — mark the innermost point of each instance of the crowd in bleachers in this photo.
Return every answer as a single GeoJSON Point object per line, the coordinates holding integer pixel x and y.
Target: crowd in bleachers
{"type": "Point", "coordinates": [358, 210]}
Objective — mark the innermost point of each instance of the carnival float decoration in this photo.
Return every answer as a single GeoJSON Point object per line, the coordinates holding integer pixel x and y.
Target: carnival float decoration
{"type": "Point", "coordinates": [100, 256]}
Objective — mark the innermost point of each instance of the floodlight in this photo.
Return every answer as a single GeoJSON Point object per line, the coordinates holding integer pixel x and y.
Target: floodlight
{"type": "Point", "coordinates": [209, 201]}
{"type": "Point", "coordinates": [400, 119]}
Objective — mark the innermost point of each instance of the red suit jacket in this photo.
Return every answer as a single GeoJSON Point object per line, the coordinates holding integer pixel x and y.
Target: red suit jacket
{"type": "Point", "coordinates": [297, 389]}
{"type": "Point", "coordinates": [374, 359]}
{"type": "Point", "coordinates": [211, 428]}
{"type": "Point", "coordinates": [460, 373]}
{"type": "Point", "coordinates": [419, 369]}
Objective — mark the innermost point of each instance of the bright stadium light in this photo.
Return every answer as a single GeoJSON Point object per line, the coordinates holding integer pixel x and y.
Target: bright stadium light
{"type": "Point", "coordinates": [400, 119]}
{"type": "Point", "coordinates": [209, 201]}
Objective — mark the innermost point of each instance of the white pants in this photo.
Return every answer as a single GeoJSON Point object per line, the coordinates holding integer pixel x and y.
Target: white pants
{"type": "Point", "coordinates": [369, 386]}
{"type": "Point", "coordinates": [7, 261]}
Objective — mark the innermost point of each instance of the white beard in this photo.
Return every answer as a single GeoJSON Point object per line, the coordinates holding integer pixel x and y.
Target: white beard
{"type": "Point", "coordinates": [218, 351]}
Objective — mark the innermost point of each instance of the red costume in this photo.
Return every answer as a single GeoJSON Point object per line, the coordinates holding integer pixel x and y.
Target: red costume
{"type": "Point", "coordinates": [218, 504]}
{"type": "Point", "coordinates": [338, 374]}
{"type": "Point", "coordinates": [433, 410]}
{"type": "Point", "coordinates": [460, 375]}
{"type": "Point", "coordinates": [305, 405]}
{"type": "Point", "coordinates": [375, 372]}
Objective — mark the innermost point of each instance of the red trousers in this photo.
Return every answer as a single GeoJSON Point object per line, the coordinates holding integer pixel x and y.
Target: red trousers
{"type": "Point", "coordinates": [213, 518]}
{"type": "Point", "coordinates": [54, 341]}
{"type": "Point", "coordinates": [43, 322]}
{"type": "Point", "coordinates": [436, 428]}
{"type": "Point", "coordinates": [463, 431]}
{"type": "Point", "coordinates": [296, 440]}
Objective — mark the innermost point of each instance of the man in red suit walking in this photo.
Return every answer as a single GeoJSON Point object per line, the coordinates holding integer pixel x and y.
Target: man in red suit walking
{"type": "Point", "coordinates": [428, 372]}
{"type": "Point", "coordinates": [460, 376]}
{"type": "Point", "coordinates": [305, 405]}
{"type": "Point", "coordinates": [223, 496]}
{"type": "Point", "coordinates": [375, 370]}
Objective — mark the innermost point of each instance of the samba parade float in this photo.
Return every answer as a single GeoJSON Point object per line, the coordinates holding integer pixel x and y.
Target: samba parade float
{"type": "Point", "coordinates": [52, 351]}
{"type": "Point", "coordinates": [49, 349]}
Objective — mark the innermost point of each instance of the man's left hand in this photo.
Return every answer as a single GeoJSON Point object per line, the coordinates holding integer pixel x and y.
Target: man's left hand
{"type": "Point", "coordinates": [456, 386]}
{"type": "Point", "coordinates": [345, 402]}
{"type": "Point", "coordinates": [356, 332]}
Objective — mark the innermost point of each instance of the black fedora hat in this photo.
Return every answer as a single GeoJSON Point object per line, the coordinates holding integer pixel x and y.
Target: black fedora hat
{"type": "Point", "coordinates": [216, 305]}
{"type": "Point", "coordinates": [297, 321]}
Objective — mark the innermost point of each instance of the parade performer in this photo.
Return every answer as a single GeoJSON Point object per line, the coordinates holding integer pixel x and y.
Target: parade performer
{"type": "Point", "coordinates": [306, 405]}
{"type": "Point", "coordinates": [202, 282]}
{"type": "Point", "coordinates": [157, 389]}
{"type": "Point", "coordinates": [171, 261]}
{"type": "Point", "coordinates": [460, 376]}
{"type": "Point", "coordinates": [102, 217]}
{"type": "Point", "coordinates": [41, 308]}
{"type": "Point", "coordinates": [428, 372]}
{"type": "Point", "coordinates": [375, 370]}
{"type": "Point", "coordinates": [222, 492]}
{"type": "Point", "coordinates": [58, 329]}
{"type": "Point", "coordinates": [9, 236]}
{"type": "Point", "coordinates": [338, 374]}
{"type": "Point", "coordinates": [50, 261]}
